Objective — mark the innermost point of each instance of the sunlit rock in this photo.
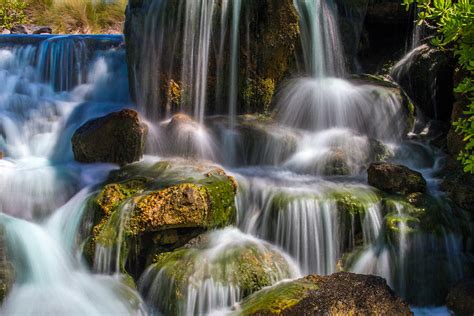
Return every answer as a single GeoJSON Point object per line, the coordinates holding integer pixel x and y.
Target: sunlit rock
{"type": "Point", "coordinates": [151, 207]}
{"type": "Point", "coordinates": [337, 294]}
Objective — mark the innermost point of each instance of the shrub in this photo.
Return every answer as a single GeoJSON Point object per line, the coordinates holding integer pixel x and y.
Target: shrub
{"type": "Point", "coordinates": [453, 21]}
{"type": "Point", "coordinates": [12, 12]}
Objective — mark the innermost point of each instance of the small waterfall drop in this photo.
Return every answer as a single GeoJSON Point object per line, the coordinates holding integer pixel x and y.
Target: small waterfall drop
{"type": "Point", "coordinates": [184, 63]}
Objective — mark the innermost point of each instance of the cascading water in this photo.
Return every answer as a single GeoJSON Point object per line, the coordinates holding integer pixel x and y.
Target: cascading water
{"type": "Point", "coordinates": [54, 84]}
{"type": "Point", "coordinates": [303, 203]}
{"type": "Point", "coordinates": [183, 63]}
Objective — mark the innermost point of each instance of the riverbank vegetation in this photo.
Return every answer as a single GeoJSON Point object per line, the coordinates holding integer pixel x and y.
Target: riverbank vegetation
{"type": "Point", "coordinates": [65, 16]}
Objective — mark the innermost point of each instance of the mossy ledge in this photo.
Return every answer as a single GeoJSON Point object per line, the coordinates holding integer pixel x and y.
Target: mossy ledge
{"type": "Point", "coordinates": [146, 209]}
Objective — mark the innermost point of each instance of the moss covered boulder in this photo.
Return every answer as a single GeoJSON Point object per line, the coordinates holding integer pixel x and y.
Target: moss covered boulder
{"type": "Point", "coordinates": [223, 266]}
{"type": "Point", "coordinates": [338, 294]}
{"type": "Point", "coordinates": [147, 208]}
{"type": "Point", "coordinates": [117, 138]}
{"type": "Point", "coordinates": [394, 178]}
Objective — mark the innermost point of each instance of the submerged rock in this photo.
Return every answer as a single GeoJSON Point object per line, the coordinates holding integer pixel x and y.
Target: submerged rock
{"type": "Point", "coordinates": [394, 178]}
{"type": "Point", "coordinates": [461, 298]}
{"type": "Point", "coordinates": [222, 267]}
{"type": "Point", "coordinates": [338, 294]}
{"type": "Point", "coordinates": [117, 138]}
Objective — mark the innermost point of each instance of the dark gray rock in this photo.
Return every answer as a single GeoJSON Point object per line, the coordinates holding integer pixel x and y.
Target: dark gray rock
{"type": "Point", "coordinates": [394, 178]}
{"type": "Point", "coordinates": [117, 138]}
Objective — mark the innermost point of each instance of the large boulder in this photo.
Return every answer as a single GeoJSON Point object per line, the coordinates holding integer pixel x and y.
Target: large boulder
{"type": "Point", "coordinates": [118, 137]}
{"type": "Point", "coordinates": [394, 178]}
{"type": "Point", "coordinates": [461, 298]}
{"type": "Point", "coordinates": [338, 294]}
{"type": "Point", "coordinates": [426, 74]}
{"type": "Point", "coordinates": [146, 208]}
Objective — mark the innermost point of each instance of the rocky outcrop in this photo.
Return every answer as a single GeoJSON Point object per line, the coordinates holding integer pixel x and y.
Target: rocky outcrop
{"type": "Point", "coordinates": [116, 138]}
{"type": "Point", "coordinates": [426, 74]}
{"type": "Point", "coordinates": [394, 178]}
{"type": "Point", "coordinates": [461, 298]}
{"type": "Point", "coordinates": [338, 294]}
{"type": "Point", "coordinates": [31, 29]}
{"type": "Point", "coordinates": [164, 205]}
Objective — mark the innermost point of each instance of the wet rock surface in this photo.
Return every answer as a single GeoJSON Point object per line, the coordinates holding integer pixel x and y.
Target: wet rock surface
{"type": "Point", "coordinates": [394, 178]}
{"type": "Point", "coordinates": [338, 294]}
{"type": "Point", "coordinates": [427, 77]}
{"type": "Point", "coordinates": [116, 138]}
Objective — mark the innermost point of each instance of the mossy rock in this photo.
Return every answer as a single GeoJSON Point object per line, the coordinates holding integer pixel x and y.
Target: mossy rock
{"type": "Point", "coordinates": [338, 294]}
{"type": "Point", "coordinates": [276, 300]}
{"type": "Point", "coordinates": [244, 265]}
{"type": "Point", "coordinates": [147, 207]}
{"type": "Point", "coordinates": [421, 212]}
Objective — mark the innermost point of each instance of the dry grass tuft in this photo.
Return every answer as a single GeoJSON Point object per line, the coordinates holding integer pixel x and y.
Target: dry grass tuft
{"type": "Point", "coordinates": [79, 16]}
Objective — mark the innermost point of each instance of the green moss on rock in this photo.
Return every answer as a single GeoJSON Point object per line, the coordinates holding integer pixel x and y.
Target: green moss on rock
{"type": "Point", "coordinates": [159, 206]}
{"type": "Point", "coordinates": [275, 300]}
{"type": "Point", "coordinates": [338, 294]}
{"type": "Point", "coordinates": [247, 266]}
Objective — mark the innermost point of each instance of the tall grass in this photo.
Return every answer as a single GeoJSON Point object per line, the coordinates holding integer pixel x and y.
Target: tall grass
{"type": "Point", "coordinates": [79, 16]}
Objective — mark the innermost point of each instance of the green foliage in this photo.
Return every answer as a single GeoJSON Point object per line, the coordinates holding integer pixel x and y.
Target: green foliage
{"type": "Point", "coordinates": [454, 21]}
{"type": "Point", "coordinates": [12, 12]}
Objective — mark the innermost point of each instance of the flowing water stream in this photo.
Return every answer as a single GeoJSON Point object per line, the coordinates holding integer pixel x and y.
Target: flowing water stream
{"type": "Point", "coordinates": [292, 176]}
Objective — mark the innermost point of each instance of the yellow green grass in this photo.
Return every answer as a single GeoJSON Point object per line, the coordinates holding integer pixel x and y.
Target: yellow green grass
{"type": "Point", "coordinates": [78, 16]}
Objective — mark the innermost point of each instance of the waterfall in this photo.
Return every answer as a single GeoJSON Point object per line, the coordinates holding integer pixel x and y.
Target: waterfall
{"type": "Point", "coordinates": [322, 48]}
{"type": "Point", "coordinates": [186, 78]}
{"type": "Point", "coordinates": [303, 202]}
